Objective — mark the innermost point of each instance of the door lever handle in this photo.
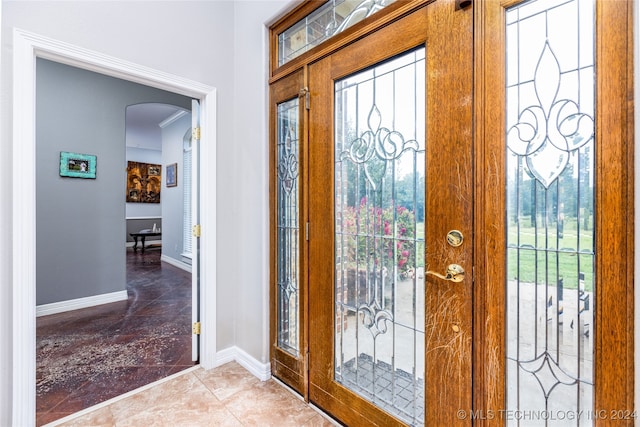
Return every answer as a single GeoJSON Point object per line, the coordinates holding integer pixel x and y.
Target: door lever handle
{"type": "Point", "coordinates": [454, 273]}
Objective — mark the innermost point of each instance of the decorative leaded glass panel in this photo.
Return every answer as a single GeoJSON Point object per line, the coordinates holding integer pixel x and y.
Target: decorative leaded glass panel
{"type": "Point", "coordinates": [550, 211]}
{"type": "Point", "coordinates": [379, 234]}
{"type": "Point", "coordinates": [288, 227]}
{"type": "Point", "coordinates": [328, 20]}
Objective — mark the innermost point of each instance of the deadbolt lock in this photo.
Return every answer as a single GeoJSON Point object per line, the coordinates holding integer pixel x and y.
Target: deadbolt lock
{"type": "Point", "coordinates": [455, 238]}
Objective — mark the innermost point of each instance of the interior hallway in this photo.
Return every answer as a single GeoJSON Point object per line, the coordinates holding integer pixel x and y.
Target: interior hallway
{"type": "Point", "coordinates": [88, 356]}
{"type": "Point", "coordinates": [225, 396]}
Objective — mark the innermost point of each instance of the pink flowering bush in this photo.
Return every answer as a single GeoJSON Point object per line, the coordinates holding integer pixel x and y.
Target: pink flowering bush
{"type": "Point", "coordinates": [381, 236]}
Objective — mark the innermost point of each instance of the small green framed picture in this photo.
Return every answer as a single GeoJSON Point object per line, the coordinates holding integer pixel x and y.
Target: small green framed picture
{"type": "Point", "coordinates": [77, 165]}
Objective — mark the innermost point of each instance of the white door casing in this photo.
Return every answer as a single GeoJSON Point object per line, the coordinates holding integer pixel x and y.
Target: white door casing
{"type": "Point", "coordinates": [195, 220]}
{"type": "Point", "coordinates": [27, 47]}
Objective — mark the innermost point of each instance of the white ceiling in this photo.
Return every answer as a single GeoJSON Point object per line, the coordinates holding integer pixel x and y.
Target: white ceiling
{"type": "Point", "coordinates": [144, 124]}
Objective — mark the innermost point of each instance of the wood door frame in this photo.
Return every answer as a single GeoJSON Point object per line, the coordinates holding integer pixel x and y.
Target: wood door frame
{"type": "Point", "coordinates": [614, 332]}
{"type": "Point", "coordinates": [615, 89]}
{"type": "Point", "coordinates": [448, 305]}
{"type": "Point", "coordinates": [284, 366]}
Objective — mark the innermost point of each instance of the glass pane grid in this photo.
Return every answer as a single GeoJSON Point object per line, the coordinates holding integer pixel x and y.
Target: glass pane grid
{"type": "Point", "coordinates": [550, 210]}
{"type": "Point", "coordinates": [288, 251]}
{"type": "Point", "coordinates": [328, 20]}
{"type": "Point", "coordinates": [379, 235]}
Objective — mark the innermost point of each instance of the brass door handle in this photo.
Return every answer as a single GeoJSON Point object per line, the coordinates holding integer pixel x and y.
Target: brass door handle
{"type": "Point", "coordinates": [454, 273]}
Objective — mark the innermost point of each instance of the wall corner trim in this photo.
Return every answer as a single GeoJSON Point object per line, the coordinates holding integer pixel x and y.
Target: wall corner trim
{"type": "Point", "coordinates": [235, 354]}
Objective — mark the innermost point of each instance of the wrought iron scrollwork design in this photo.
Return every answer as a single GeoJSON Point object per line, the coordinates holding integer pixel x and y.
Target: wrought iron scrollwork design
{"type": "Point", "coordinates": [288, 288]}
{"type": "Point", "coordinates": [376, 147]}
{"type": "Point", "coordinates": [362, 11]}
{"type": "Point", "coordinates": [547, 133]}
{"type": "Point", "coordinates": [548, 373]}
{"type": "Point", "coordinates": [374, 318]}
{"type": "Point", "coordinates": [288, 165]}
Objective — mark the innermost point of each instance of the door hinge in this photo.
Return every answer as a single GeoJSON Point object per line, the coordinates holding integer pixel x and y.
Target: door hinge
{"type": "Point", "coordinates": [196, 230]}
{"type": "Point", "coordinates": [196, 328]}
{"type": "Point", "coordinates": [305, 92]}
{"type": "Point", "coordinates": [195, 133]}
{"type": "Point", "coordinates": [306, 232]}
{"type": "Point", "coordinates": [306, 363]}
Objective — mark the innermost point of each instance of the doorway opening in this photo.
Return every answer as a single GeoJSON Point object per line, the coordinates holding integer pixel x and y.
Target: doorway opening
{"type": "Point", "coordinates": [29, 47]}
{"type": "Point", "coordinates": [86, 346]}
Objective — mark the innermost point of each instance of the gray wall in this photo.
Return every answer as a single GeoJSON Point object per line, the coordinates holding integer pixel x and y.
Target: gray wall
{"type": "Point", "coordinates": [81, 222]}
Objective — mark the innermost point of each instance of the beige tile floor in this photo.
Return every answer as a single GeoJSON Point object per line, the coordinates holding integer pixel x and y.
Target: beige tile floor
{"type": "Point", "coordinates": [225, 396]}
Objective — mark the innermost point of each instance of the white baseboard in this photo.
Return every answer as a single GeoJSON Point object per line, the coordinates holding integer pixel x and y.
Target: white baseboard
{"type": "Point", "coordinates": [78, 303]}
{"type": "Point", "coordinates": [257, 368]}
{"type": "Point", "coordinates": [225, 356]}
{"type": "Point", "coordinates": [261, 370]}
{"type": "Point", "coordinates": [176, 263]}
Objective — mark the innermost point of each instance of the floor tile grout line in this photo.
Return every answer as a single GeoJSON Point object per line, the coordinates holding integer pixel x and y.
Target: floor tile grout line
{"type": "Point", "coordinates": [124, 396]}
{"type": "Point", "coordinates": [213, 392]}
{"type": "Point", "coordinates": [309, 404]}
{"type": "Point", "coordinates": [224, 404]}
{"type": "Point", "coordinates": [201, 377]}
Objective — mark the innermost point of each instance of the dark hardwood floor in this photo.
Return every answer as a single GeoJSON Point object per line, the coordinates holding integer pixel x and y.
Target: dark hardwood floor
{"type": "Point", "coordinates": [87, 356]}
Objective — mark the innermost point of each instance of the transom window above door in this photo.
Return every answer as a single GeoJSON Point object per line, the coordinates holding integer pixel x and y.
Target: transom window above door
{"type": "Point", "coordinates": [330, 19]}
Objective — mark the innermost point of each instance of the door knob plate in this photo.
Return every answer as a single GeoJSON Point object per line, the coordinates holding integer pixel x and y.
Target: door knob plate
{"type": "Point", "coordinates": [454, 273]}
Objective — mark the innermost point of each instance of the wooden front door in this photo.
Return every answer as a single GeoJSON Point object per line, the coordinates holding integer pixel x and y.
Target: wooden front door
{"type": "Point", "coordinates": [453, 216]}
{"type": "Point", "coordinates": [390, 161]}
{"type": "Point", "coordinates": [554, 213]}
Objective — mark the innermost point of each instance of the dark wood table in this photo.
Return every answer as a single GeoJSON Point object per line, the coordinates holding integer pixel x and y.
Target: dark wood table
{"type": "Point", "coordinates": [143, 236]}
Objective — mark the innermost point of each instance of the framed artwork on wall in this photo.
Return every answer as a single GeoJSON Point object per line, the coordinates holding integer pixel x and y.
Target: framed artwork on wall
{"type": "Point", "coordinates": [76, 165]}
{"type": "Point", "coordinates": [172, 175]}
{"type": "Point", "coordinates": [143, 182]}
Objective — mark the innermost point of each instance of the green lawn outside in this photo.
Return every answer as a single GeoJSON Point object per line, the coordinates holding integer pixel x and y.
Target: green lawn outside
{"type": "Point", "coordinates": [552, 264]}
{"type": "Point", "coordinates": [554, 257]}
